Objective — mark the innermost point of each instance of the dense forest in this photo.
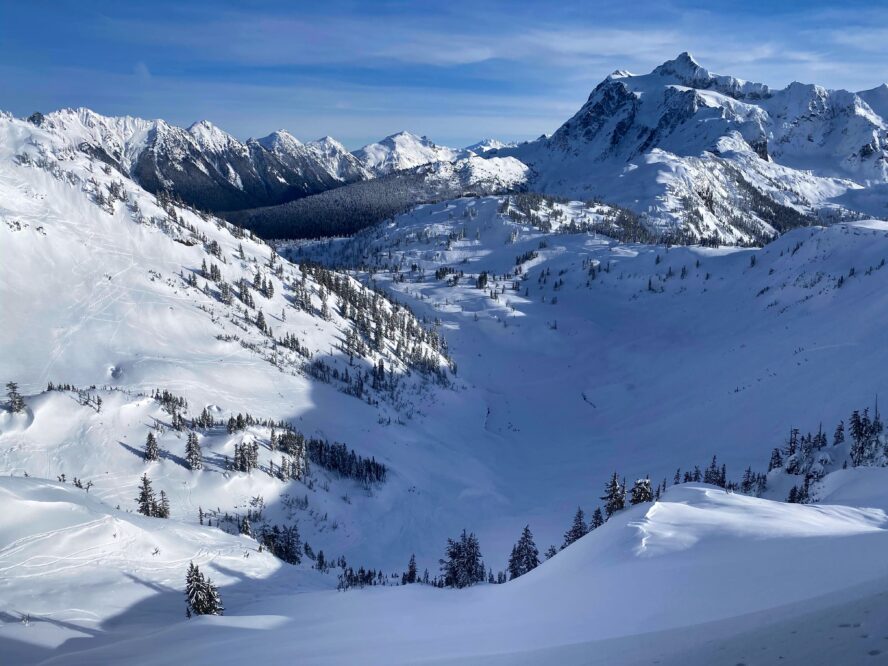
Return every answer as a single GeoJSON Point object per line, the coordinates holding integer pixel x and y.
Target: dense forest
{"type": "Point", "coordinates": [346, 210]}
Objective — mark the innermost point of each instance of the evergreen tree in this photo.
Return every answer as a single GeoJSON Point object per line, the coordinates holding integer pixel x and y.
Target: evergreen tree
{"type": "Point", "coordinates": [525, 556]}
{"type": "Point", "coordinates": [162, 508]}
{"type": "Point", "coordinates": [146, 499]}
{"type": "Point", "coordinates": [776, 460]}
{"type": "Point", "coordinates": [192, 452]}
{"type": "Point", "coordinates": [614, 497]}
{"type": "Point", "coordinates": [748, 481]}
{"type": "Point", "coordinates": [151, 450]}
{"type": "Point", "coordinates": [641, 492]}
{"type": "Point", "coordinates": [16, 402]}
{"type": "Point", "coordinates": [462, 565]}
{"type": "Point", "coordinates": [839, 434]}
{"type": "Point", "coordinates": [551, 552]}
{"type": "Point", "coordinates": [597, 519]}
{"type": "Point", "coordinates": [577, 529]}
{"type": "Point", "coordinates": [410, 576]}
{"type": "Point", "coordinates": [712, 475]}
{"type": "Point", "coordinates": [201, 596]}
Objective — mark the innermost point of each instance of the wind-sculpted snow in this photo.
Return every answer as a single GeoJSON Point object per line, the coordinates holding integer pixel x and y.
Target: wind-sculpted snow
{"type": "Point", "coordinates": [609, 598]}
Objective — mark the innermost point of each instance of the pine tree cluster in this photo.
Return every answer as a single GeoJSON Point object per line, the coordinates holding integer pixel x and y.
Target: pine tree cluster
{"type": "Point", "coordinates": [16, 402]}
{"type": "Point", "coordinates": [462, 564]}
{"type": "Point", "coordinates": [150, 505]}
{"type": "Point", "coordinates": [525, 556]}
{"type": "Point", "coordinates": [201, 596]}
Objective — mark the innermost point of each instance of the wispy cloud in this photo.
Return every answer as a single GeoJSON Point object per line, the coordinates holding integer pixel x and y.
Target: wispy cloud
{"type": "Point", "coordinates": [454, 71]}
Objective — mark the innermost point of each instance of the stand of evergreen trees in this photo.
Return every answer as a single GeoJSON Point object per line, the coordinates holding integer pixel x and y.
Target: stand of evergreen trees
{"type": "Point", "coordinates": [339, 458]}
{"type": "Point", "coordinates": [525, 556]}
{"type": "Point", "coordinates": [201, 596]}
{"type": "Point", "coordinates": [148, 504]}
{"type": "Point", "coordinates": [462, 564]}
{"type": "Point", "coordinates": [15, 401]}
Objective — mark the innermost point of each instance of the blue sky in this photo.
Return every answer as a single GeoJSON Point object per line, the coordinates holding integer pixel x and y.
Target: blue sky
{"type": "Point", "coordinates": [456, 71]}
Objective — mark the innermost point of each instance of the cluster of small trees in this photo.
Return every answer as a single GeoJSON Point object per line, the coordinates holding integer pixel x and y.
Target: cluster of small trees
{"type": "Point", "coordinates": [346, 462]}
{"type": "Point", "coordinates": [205, 420]}
{"type": "Point", "coordinates": [810, 456]}
{"type": "Point", "coordinates": [213, 274]}
{"type": "Point", "coordinates": [525, 556]}
{"type": "Point", "coordinates": [171, 403]}
{"type": "Point", "coordinates": [282, 541]}
{"type": "Point", "coordinates": [201, 596]}
{"type": "Point", "coordinates": [192, 452]}
{"type": "Point", "coordinates": [16, 401]}
{"type": "Point", "coordinates": [462, 564]}
{"type": "Point", "coordinates": [149, 504]}
{"type": "Point", "coordinates": [246, 456]}
{"type": "Point", "coordinates": [361, 577]}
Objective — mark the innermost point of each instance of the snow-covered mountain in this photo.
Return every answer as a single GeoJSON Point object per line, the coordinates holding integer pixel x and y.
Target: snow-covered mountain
{"type": "Point", "coordinates": [599, 333]}
{"type": "Point", "coordinates": [486, 145]}
{"type": "Point", "coordinates": [329, 155]}
{"type": "Point", "coordinates": [203, 165]}
{"type": "Point", "coordinates": [324, 412]}
{"type": "Point", "coordinates": [714, 156]}
{"type": "Point", "coordinates": [403, 151]}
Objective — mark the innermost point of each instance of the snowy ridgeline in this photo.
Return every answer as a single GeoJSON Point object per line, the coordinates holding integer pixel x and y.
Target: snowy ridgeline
{"type": "Point", "coordinates": [698, 158]}
{"type": "Point", "coordinates": [289, 428]}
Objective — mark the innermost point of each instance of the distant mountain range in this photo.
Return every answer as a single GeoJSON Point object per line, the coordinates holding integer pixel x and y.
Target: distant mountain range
{"type": "Point", "coordinates": [699, 156]}
{"type": "Point", "coordinates": [209, 168]}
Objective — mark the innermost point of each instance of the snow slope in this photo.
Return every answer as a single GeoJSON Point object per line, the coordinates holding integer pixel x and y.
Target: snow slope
{"type": "Point", "coordinates": [114, 306]}
{"type": "Point", "coordinates": [635, 369]}
{"type": "Point", "coordinates": [581, 356]}
{"type": "Point", "coordinates": [667, 582]}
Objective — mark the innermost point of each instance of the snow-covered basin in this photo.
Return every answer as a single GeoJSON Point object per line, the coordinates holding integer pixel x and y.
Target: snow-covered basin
{"type": "Point", "coordinates": [699, 556]}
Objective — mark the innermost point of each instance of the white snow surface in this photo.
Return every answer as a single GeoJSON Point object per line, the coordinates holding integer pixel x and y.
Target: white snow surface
{"type": "Point", "coordinates": [629, 591]}
{"type": "Point", "coordinates": [662, 359]}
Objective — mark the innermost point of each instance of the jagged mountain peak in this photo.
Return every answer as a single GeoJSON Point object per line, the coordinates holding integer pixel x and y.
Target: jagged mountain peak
{"type": "Point", "coordinates": [211, 137]}
{"type": "Point", "coordinates": [486, 145]}
{"type": "Point", "coordinates": [407, 138]}
{"type": "Point", "coordinates": [683, 65]}
{"type": "Point", "coordinates": [685, 70]}
{"type": "Point", "coordinates": [328, 142]}
{"type": "Point", "coordinates": [279, 139]}
{"type": "Point", "coordinates": [403, 150]}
